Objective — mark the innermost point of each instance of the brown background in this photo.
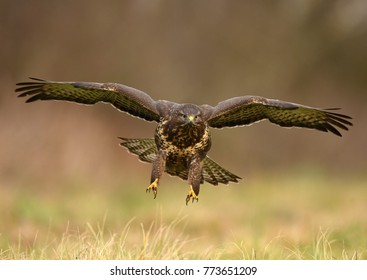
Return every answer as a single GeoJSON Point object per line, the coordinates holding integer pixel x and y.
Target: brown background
{"type": "Point", "coordinates": [308, 52]}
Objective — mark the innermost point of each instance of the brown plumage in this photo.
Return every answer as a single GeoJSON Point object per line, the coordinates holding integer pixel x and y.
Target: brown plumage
{"type": "Point", "coordinates": [182, 137]}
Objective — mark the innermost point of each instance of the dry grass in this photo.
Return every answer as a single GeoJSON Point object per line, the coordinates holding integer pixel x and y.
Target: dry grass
{"type": "Point", "coordinates": [293, 218]}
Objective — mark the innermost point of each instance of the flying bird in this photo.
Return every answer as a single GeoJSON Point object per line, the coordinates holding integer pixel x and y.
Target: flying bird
{"type": "Point", "coordinates": [182, 137]}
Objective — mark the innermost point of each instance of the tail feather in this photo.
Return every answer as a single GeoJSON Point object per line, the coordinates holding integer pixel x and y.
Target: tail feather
{"type": "Point", "coordinates": [214, 174]}
{"type": "Point", "coordinates": [146, 150]}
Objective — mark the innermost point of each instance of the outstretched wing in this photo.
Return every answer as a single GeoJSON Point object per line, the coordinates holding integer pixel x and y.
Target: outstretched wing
{"type": "Point", "coordinates": [124, 98]}
{"type": "Point", "coordinates": [245, 110]}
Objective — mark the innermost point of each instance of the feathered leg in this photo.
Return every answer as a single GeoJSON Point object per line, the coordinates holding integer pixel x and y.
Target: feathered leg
{"type": "Point", "coordinates": [159, 165]}
{"type": "Point", "coordinates": [194, 180]}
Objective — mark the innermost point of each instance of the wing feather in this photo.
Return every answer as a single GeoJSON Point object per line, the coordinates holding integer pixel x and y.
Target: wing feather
{"type": "Point", "coordinates": [246, 110]}
{"type": "Point", "coordinates": [124, 98]}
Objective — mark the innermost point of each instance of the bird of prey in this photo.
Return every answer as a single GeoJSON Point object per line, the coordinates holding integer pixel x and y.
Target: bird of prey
{"type": "Point", "coordinates": [182, 137]}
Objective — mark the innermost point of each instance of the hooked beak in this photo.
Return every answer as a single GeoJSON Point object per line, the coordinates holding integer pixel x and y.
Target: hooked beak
{"type": "Point", "coordinates": [191, 119]}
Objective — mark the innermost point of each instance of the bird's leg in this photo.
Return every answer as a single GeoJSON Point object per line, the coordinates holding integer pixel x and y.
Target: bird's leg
{"type": "Point", "coordinates": [191, 195]}
{"type": "Point", "coordinates": [159, 165]}
{"type": "Point", "coordinates": [153, 186]}
{"type": "Point", "coordinates": [194, 180]}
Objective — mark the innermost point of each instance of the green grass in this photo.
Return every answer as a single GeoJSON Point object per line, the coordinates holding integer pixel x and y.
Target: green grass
{"type": "Point", "coordinates": [302, 217]}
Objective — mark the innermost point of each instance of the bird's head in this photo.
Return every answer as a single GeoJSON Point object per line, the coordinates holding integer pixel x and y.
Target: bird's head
{"type": "Point", "coordinates": [187, 114]}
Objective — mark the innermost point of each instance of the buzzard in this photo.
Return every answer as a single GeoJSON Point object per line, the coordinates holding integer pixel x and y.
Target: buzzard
{"type": "Point", "coordinates": [182, 137]}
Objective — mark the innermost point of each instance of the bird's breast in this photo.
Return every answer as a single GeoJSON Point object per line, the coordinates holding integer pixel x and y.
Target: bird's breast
{"type": "Point", "coordinates": [183, 141]}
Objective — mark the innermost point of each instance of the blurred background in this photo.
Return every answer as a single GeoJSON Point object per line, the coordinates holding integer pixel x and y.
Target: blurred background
{"type": "Point", "coordinates": [308, 52]}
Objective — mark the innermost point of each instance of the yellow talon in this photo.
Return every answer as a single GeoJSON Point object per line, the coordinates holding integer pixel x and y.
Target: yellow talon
{"type": "Point", "coordinates": [191, 196]}
{"type": "Point", "coordinates": [153, 186]}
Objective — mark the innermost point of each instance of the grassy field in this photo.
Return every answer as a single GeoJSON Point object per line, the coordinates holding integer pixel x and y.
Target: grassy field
{"type": "Point", "coordinates": [307, 215]}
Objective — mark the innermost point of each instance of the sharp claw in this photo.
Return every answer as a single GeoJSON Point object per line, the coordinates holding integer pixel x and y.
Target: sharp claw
{"type": "Point", "coordinates": [153, 186]}
{"type": "Point", "coordinates": [191, 196]}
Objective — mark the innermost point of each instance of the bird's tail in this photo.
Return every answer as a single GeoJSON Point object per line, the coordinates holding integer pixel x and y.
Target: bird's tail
{"type": "Point", "coordinates": [146, 150]}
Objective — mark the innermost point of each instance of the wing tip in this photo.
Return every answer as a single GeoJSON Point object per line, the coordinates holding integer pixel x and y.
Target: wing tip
{"type": "Point", "coordinates": [337, 120]}
{"type": "Point", "coordinates": [30, 88]}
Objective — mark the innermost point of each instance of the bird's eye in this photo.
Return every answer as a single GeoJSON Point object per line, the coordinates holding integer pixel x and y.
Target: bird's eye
{"type": "Point", "coordinates": [183, 116]}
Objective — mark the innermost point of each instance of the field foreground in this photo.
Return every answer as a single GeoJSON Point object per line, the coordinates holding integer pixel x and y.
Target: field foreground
{"type": "Point", "coordinates": [297, 217]}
